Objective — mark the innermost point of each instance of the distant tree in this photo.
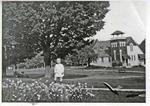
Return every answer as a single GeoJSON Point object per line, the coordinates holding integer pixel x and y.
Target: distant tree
{"type": "Point", "coordinates": [81, 57]}
{"type": "Point", "coordinates": [54, 27]}
{"type": "Point", "coordinates": [35, 62]}
{"type": "Point", "coordinates": [87, 55]}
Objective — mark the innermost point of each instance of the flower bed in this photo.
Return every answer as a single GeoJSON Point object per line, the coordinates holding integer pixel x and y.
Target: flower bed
{"type": "Point", "coordinates": [39, 91]}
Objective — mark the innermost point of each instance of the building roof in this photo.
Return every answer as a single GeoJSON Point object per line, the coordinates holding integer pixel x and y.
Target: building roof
{"type": "Point", "coordinates": [117, 33]}
{"type": "Point", "coordinates": [102, 48]}
{"type": "Point", "coordinates": [142, 46]}
{"type": "Point", "coordinates": [130, 40]}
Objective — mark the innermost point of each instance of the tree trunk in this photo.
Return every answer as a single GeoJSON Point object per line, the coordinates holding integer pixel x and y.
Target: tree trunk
{"type": "Point", "coordinates": [48, 69]}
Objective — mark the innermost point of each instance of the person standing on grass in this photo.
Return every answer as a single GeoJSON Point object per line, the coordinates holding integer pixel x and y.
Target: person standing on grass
{"type": "Point", "coordinates": [58, 70]}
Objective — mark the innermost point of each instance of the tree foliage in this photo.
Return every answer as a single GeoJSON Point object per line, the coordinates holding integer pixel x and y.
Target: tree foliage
{"type": "Point", "coordinates": [54, 27]}
{"type": "Point", "coordinates": [88, 55]}
{"type": "Point", "coordinates": [84, 56]}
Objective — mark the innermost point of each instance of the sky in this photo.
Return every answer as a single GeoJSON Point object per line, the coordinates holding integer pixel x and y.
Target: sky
{"type": "Point", "coordinates": [126, 16]}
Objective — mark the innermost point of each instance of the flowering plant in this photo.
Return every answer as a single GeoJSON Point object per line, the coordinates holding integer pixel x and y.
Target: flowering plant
{"type": "Point", "coordinates": [39, 91]}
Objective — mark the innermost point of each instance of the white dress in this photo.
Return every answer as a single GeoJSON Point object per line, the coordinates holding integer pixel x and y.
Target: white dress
{"type": "Point", "coordinates": [59, 70]}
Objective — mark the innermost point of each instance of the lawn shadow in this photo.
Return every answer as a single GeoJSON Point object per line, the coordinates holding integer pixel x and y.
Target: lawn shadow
{"type": "Point", "coordinates": [74, 76]}
{"type": "Point", "coordinates": [33, 76]}
{"type": "Point", "coordinates": [36, 76]}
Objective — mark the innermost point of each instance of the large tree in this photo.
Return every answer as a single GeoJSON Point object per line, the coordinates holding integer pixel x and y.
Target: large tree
{"type": "Point", "coordinates": [54, 27]}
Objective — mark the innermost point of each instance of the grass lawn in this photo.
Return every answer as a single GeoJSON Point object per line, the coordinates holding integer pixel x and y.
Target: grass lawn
{"type": "Point", "coordinates": [107, 96]}
{"type": "Point", "coordinates": [96, 77]}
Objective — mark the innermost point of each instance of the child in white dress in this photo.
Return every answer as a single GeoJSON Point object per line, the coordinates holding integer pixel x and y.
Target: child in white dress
{"type": "Point", "coordinates": [58, 70]}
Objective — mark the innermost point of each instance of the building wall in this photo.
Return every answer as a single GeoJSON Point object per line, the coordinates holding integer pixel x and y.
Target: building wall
{"type": "Point", "coordinates": [121, 50]}
{"type": "Point", "coordinates": [105, 62]}
{"type": "Point", "coordinates": [118, 48]}
{"type": "Point", "coordinates": [133, 61]}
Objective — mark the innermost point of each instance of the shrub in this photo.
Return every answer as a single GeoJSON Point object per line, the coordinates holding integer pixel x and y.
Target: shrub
{"type": "Point", "coordinates": [22, 65]}
{"type": "Point", "coordinates": [116, 63]}
{"type": "Point", "coordinates": [37, 91]}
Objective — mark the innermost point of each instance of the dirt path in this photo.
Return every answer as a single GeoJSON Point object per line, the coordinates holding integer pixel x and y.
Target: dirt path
{"type": "Point", "coordinates": [106, 89]}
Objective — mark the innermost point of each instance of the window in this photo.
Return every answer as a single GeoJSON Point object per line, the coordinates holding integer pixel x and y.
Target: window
{"type": "Point", "coordinates": [120, 55]}
{"type": "Point", "coordinates": [131, 47]}
{"type": "Point", "coordinates": [102, 59]}
{"type": "Point", "coordinates": [114, 44]}
{"type": "Point", "coordinates": [134, 57]}
{"type": "Point", "coordinates": [114, 54]}
{"type": "Point", "coordinates": [109, 59]}
{"type": "Point", "coordinates": [131, 57]}
{"type": "Point", "coordinates": [111, 45]}
{"type": "Point", "coordinates": [122, 44]}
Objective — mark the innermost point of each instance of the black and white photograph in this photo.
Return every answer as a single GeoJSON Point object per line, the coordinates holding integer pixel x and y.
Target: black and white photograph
{"type": "Point", "coordinates": [74, 51]}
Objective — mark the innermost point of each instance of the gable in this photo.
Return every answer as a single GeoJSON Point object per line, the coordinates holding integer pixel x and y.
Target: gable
{"type": "Point", "coordinates": [130, 40]}
{"type": "Point", "coordinates": [142, 46]}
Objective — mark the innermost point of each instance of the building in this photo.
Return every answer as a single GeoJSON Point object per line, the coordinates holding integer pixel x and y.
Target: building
{"type": "Point", "coordinates": [125, 52]}
{"type": "Point", "coordinates": [102, 48]}
{"type": "Point", "coordinates": [142, 47]}
{"type": "Point", "coordinates": [119, 51]}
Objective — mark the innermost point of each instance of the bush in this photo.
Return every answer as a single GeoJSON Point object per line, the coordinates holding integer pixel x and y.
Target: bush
{"type": "Point", "coordinates": [22, 65]}
{"type": "Point", "coordinates": [37, 91]}
{"type": "Point", "coordinates": [116, 63]}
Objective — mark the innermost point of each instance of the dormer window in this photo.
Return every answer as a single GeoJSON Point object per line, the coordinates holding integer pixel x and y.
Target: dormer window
{"type": "Point", "coordinates": [131, 47]}
{"type": "Point", "coordinates": [113, 44]}
{"type": "Point", "coordinates": [122, 44]}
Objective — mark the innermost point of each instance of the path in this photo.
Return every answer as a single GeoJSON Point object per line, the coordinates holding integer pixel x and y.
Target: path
{"type": "Point", "coordinates": [106, 89]}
